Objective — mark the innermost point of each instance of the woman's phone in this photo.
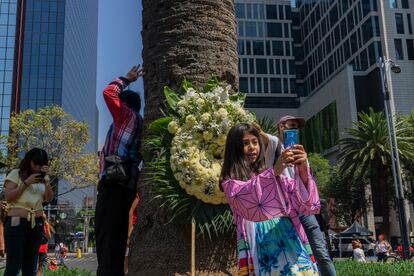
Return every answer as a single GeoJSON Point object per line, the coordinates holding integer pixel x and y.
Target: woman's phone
{"type": "Point", "coordinates": [42, 176]}
{"type": "Point", "coordinates": [291, 137]}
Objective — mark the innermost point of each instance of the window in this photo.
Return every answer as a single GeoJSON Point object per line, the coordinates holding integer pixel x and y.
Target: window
{"type": "Point", "coordinates": [248, 47]}
{"type": "Point", "coordinates": [240, 28]}
{"type": "Point", "coordinates": [251, 29]}
{"type": "Point", "coordinates": [281, 12]}
{"type": "Point", "coordinates": [399, 23]}
{"type": "Point", "coordinates": [410, 49]}
{"type": "Point", "coordinates": [261, 66]}
{"type": "Point", "coordinates": [398, 49]}
{"type": "Point", "coordinates": [252, 86]}
{"type": "Point", "coordinates": [274, 30]}
{"type": "Point", "coordinates": [271, 12]}
{"type": "Point", "coordinates": [277, 47]}
{"type": "Point", "coordinates": [367, 30]}
{"type": "Point", "coordinates": [275, 85]}
{"type": "Point", "coordinates": [258, 47]}
{"type": "Point", "coordinates": [410, 26]}
{"type": "Point", "coordinates": [251, 66]}
{"type": "Point", "coordinates": [287, 12]}
{"type": "Point", "coordinates": [259, 85]}
{"type": "Point", "coordinates": [393, 4]}
{"type": "Point", "coordinates": [404, 4]}
{"type": "Point", "coordinates": [287, 48]}
{"type": "Point", "coordinates": [248, 11]}
{"type": "Point", "coordinates": [271, 67]}
{"type": "Point", "coordinates": [240, 47]}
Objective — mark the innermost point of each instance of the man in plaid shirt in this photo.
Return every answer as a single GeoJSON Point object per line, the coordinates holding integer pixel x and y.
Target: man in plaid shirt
{"type": "Point", "coordinates": [115, 199]}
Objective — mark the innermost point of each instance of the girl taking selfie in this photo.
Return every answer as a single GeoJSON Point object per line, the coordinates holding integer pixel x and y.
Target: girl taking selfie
{"type": "Point", "coordinates": [266, 205]}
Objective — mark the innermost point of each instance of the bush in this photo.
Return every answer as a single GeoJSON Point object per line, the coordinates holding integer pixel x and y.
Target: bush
{"type": "Point", "coordinates": [350, 268]}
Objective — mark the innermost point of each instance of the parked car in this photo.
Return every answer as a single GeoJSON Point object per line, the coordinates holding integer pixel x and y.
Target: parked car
{"type": "Point", "coordinates": [345, 245]}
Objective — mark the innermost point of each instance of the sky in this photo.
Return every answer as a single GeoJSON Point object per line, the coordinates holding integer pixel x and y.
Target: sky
{"type": "Point", "coordinates": [119, 48]}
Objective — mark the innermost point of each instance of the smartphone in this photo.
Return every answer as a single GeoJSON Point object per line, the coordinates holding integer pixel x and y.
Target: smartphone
{"type": "Point", "coordinates": [291, 137]}
{"type": "Point", "coordinates": [42, 176]}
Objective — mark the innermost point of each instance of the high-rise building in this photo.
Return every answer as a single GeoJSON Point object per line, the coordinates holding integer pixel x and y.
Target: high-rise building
{"type": "Point", "coordinates": [336, 46]}
{"type": "Point", "coordinates": [266, 60]}
{"type": "Point", "coordinates": [48, 56]}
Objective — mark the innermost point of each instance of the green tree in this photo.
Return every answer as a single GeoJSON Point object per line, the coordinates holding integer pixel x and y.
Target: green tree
{"type": "Point", "coordinates": [365, 152]}
{"type": "Point", "coordinates": [321, 171]}
{"type": "Point", "coordinates": [349, 194]}
{"type": "Point", "coordinates": [63, 138]}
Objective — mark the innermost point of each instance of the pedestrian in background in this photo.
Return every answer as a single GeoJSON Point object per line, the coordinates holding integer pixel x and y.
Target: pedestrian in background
{"type": "Point", "coordinates": [133, 216]}
{"type": "Point", "coordinates": [26, 188]}
{"type": "Point", "coordinates": [358, 253]}
{"type": "Point", "coordinates": [383, 248]}
{"type": "Point", "coordinates": [44, 246]}
{"type": "Point", "coordinates": [120, 163]}
{"type": "Point", "coordinates": [3, 215]}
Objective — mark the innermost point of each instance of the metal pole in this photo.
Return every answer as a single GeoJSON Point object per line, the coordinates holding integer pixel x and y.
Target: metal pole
{"type": "Point", "coordinates": [48, 211]}
{"type": "Point", "coordinates": [395, 162]}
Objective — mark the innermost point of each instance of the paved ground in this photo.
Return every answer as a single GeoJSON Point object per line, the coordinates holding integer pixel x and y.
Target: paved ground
{"type": "Point", "coordinates": [87, 262]}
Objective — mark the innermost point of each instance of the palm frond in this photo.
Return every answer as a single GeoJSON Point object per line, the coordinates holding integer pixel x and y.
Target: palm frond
{"type": "Point", "coordinates": [268, 125]}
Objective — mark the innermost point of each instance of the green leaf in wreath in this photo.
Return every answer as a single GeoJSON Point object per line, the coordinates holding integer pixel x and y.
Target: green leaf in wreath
{"type": "Point", "coordinates": [238, 97]}
{"type": "Point", "coordinates": [172, 97]}
{"type": "Point", "coordinates": [160, 125]}
{"type": "Point", "coordinates": [211, 84]}
{"type": "Point", "coordinates": [184, 87]}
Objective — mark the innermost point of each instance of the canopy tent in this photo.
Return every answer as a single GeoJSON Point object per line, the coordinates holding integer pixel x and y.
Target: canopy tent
{"type": "Point", "coordinates": [356, 229]}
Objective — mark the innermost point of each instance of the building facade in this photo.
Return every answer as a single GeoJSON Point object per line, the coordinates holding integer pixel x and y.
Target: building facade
{"type": "Point", "coordinates": [266, 60]}
{"type": "Point", "coordinates": [336, 46]}
{"type": "Point", "coordinates": [48, 56]}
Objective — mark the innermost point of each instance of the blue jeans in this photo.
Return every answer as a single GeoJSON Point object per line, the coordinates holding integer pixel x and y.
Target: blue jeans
{"type": "Point", "coordinates": [318, 245]}
{"type": "Point", "coordinates": [22, 246]}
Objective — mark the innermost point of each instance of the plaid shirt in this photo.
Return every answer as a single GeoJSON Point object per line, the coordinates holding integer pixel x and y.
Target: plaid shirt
{"type": "Point", "coordinates": [125, 127]}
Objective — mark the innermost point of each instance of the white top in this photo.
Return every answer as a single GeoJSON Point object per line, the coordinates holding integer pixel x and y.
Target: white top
{"type": "Point", "coordinates": [359, 255]}
{"type": "Point", "coordinates": [270, 156]}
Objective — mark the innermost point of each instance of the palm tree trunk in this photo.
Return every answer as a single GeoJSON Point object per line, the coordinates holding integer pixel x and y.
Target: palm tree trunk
{"type": "Point", "coordinates": [191, 39]}
{"type": "Point", "coordinates": [382, 186]}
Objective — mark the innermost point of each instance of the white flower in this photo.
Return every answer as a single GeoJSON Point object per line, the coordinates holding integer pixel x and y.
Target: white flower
{"type": "Point", "coordinates": [172, 127]}
{"type": "Point", "coordinates": [205, 118]}
{"type": "Point", "coordinates": [190, 121]}
{"type": "Point", "coordinates": [200, 102]}
{"type": "Point", "coordinates": [207, 135]}
{"type": "Point", "coordinates": [190, 93]}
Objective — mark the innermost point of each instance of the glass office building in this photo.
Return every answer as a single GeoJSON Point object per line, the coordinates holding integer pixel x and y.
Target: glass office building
{"type": "Point", "coordinates": [48, 56]}
{"type": "Point", "coordinates": [8, 21]}
{"type": "Point", "coordinates": [41, 79]}
{"type": "Point", "coordinates": [266, 60]}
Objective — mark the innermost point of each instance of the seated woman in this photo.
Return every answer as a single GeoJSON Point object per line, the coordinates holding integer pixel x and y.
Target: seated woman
{"type": "Point", "coordinates": [266, 205]}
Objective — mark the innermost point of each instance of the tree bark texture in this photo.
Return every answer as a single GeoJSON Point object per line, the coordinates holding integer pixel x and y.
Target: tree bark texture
{"type": "Point", "coordinates": [193, 40]}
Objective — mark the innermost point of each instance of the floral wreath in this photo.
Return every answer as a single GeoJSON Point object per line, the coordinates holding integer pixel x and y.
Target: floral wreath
{"type": "Point", "coordinates": [186, 150]}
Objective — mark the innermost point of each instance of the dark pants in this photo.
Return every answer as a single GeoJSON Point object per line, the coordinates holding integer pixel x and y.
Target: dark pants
{"type": "Point", "coordinates": [22, 246]}
{"type": "Point", "coordinates": [111, 227]}
{"type": "Point", "coordinates": [318, 245]}
{"type": "Point", "coordinates": [381, 257]}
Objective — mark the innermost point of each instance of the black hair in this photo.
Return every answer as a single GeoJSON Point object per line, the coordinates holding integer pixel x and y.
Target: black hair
{"type": "Point", "coordinates": [131, 99]}
{"type": "Point", "coordinates": [234, 165]}
{"type": "Point", "coordinates": [38, 156]}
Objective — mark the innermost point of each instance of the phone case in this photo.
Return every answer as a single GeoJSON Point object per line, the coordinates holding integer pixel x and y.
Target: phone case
{"type": "Point", "coordinates": [291, 137]}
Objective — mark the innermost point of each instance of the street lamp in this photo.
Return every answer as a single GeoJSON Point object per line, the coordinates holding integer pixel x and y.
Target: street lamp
{"type": "Point", "coordinates": [386, 66]}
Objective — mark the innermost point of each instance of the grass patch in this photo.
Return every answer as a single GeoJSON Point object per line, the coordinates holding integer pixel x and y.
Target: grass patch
{"type": "Point", "coordinates": [64, 272]}
{"type": "Point", "coordinates": [350, 268]}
